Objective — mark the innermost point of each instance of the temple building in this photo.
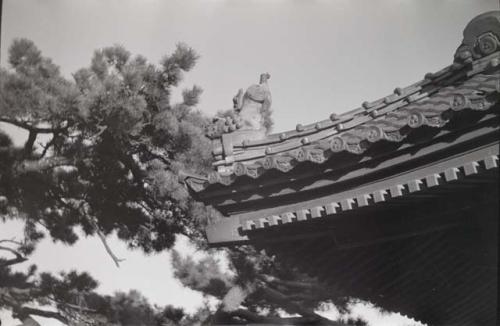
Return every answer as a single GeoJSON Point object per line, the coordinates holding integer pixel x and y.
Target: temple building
{"type": "Point", "coordinates": [394, 202]}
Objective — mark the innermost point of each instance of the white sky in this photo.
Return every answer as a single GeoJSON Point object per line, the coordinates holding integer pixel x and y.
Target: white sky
{"type": "Point", "coordinates": [323, 57]}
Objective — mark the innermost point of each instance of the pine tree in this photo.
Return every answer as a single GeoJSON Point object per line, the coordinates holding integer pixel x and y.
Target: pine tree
{"type": "Point", "coordinates": [258, 289]}
{"type": "Point", "coordinates": [116, 146]}
{"type": "Point", "coordinates": [75, 299]}
{"type": "Point", "coordinates": [103, 154]}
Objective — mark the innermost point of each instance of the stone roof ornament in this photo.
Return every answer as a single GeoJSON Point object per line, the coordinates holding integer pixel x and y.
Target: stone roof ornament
{"type": "Point", "coordinates": [481, 37]}
{"type": "Point", "coordinates": [251, 111]}
{"type": "Point", "coordinates": [248, 121]}
{"type": "Point", "coordinates": [253, 105]}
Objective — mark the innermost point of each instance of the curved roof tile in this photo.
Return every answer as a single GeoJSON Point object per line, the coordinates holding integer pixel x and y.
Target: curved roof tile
{"type": "Point", "coordinates": [472, 82]}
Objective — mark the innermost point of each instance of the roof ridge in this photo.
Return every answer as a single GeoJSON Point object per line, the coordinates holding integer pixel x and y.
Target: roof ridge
{"type": "Point", "coordinates": [431, 101]}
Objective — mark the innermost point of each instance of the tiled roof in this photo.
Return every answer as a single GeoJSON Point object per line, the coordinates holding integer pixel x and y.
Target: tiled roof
{"type": "Point", "coordinates": [447, 171]}
{"type": "Point", "coordinates": [470, 83]}
{"type": "Point", "coordinates": [428, 226]}
{"type": "Point", "coordinates": [394, 202]}
{"type": "Point", "coordinates": [444, 173]}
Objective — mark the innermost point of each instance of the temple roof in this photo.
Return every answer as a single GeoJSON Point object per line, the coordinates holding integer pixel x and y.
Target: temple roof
{"type": "Point", "coordinates": [465, 85]}
{"type": "Point", "coordinates": [395, 202]}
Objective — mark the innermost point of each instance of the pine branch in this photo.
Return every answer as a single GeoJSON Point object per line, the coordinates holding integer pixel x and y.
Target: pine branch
{"type": "Point", "coordinates": [15, 297]}
{"type": "Point", "coordinates": [79, 206]}
{"type": "Point", "coordinates": [48, 146]}
{"type": "Point", "coordinates": [30, 322]}
{"type": "Point", "coordinates": [19, 257]}
{"type": "Point", "coordinates": [28, 146]}
{"type": "Point", "coordinates": [24, 312]}
{"type": "Point", "coordinates": [31, 128]}
{"type": "Point", "coordinates": [157, 153]}
{"type": "Point", "coordinates": [43, 164]}
{"type": "Point", "coordinates": [281, 298]}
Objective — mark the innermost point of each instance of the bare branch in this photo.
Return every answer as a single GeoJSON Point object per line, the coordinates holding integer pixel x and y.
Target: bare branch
{"type": "Point", "coordinates": [105, 243]}
{"type": "Point", "coordinates": [108, 249]}
{"type": "Point", "coordinates": [13, 241]}
{"type": "Point", "coordinates": [79, 205]}
{"type": "Point", "coordinates": [19, 257]}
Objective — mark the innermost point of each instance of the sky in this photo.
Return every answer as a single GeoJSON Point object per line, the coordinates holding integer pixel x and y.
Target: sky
{"type": "Point", "coordinates": [323, 56]}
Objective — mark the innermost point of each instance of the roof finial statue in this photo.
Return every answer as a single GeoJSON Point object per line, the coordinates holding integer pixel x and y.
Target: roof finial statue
{"type": "Point", "coordinates": [252, 110]}
{"type": "Point", "coordinates": [481, 37]}
{"type": "Point", "coordinates": [254, 104]}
